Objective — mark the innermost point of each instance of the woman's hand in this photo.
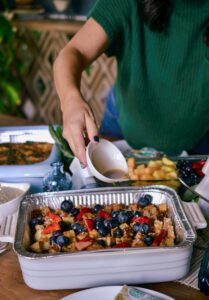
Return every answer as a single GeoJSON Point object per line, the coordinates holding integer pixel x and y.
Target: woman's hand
{"type": "Point", "coordinates": [78, 119]}
{"type": "Point", "coordinates": [88, 44]}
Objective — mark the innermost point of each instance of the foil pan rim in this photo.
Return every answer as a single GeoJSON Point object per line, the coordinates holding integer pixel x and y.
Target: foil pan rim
{"type": "Point", "coordinates": [29, 199]}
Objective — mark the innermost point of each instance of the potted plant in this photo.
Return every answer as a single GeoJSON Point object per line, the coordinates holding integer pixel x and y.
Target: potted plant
{"type": "Point", "coordinates": [10, 69]}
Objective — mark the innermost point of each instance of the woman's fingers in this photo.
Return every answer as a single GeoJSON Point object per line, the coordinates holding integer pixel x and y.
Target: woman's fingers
{"type": "Point", "coordinates": [79, 146]}
{"type": "Point", "coordinates": [76, 122]}
{"type": "Point", "coordinates": [74, 136]}
{"type": "Point", "coordinates": [91, 128]}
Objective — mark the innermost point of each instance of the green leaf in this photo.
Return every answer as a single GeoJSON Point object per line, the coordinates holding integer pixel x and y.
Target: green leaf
{"type": "Point", "coordinates": [88, 70]}
{"type": "Point", "coordinates": [3, 108]}
{"type": "Point", "coordinates": [11, 93]}
{"type": "Point", "coordinates": [61, 143]}
{"type": "Point", "coordinates": [6, 31]}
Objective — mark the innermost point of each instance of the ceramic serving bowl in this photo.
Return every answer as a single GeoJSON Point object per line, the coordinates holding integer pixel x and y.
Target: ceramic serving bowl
{"type": "Point", "coordinates": [14, 192]}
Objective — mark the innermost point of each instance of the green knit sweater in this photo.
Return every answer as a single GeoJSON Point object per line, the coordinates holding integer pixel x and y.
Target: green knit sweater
{"type": "Point", "coordinates": [162, 86]}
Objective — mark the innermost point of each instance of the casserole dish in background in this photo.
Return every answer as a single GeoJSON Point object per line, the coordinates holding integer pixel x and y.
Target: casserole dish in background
{"type": "Point", "coordinates": [108, 266]}
{"type": "Point", "coordinates": [30, 173]}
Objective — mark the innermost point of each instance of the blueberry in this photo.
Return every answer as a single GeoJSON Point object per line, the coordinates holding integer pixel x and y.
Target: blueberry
{"type": "Point", "coordinates": [98, 223]}
{"type": "Point", "coordinates": [148, 239]}
{"type": "Point", "coordinates": [74, 211]}
{"type": "Point", "coordinates": [144, 228]}
{"type": "Point", "coordinates": [182, 164]}
{"type": "Point", "coordinates": [103, 231]}
{"type": "Point", "coordinates": [136, 227]}
{"type": "Point", "coordinates": [137, 213]}
{"type": "Point", "coordinates": [115, 213]}
{"type": "Point", "coordinates": [99, 219]}
{"type": "Point", "coordinates": [57, 233]}
{"type": "Point", "coordinates": [78, 228]}
{"type": "Point", "coordinates": [130, 215]}
{"type": "Point", "coordinates": [118, 233]}
{"type": "Point", "coordinates": [52, 240]}
{"type": "Point", "coordinates": [36, 221]}
{"type": "Point", "coordinates": [97, 208]}
{"type": "Point", "coordinates": [111, 223]}
{"type": "Point", "coordinates": [123, 217]}
{"type": "Point", "coordinates": [67, 206]}
{"type": "Point", "coordinates": [62, 240]}
{"type": "Point", "coordinates": [64, 226]}
{"type": "Point", "coordinates": [101, 243]}
{"type": "Point", "coordinates": [145, 200]}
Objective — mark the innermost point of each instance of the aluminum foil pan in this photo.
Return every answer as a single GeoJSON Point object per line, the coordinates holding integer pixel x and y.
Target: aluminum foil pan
{"type": "Point", "coordinates": [185, 234]}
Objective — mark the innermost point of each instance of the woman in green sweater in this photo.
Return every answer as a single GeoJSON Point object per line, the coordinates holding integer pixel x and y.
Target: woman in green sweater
{"type": "Point", "coordinates": [162, 86]}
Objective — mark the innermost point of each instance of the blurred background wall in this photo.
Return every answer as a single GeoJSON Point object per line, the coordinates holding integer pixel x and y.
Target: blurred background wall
{"type": "Point", "coordinates": [42, 28]}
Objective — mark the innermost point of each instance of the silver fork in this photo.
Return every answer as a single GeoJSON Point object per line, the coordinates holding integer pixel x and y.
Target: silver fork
{"type": "Point", "coordinates": [8, 228]}
{"type": "Point", "coordinates": [191, 190]}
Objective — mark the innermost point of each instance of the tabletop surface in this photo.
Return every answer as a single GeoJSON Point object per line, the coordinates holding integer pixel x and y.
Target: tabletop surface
{"type": "Point", "coordinates": [13, 287]}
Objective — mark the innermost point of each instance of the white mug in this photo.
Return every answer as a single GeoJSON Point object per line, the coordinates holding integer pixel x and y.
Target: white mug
{"type": "Point", "coordinates": [105, 162]}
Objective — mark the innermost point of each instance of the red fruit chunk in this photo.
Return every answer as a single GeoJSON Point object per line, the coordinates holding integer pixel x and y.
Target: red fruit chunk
{"type": "Point", "coordinates": [121, 245]}
{"type": "Point", "coordinates": [202, 162]}
{"type": "Point", "coordinates": [196, 165]}
{"type": "Point", "coordinates": [54, 217]}
{"type": "Point", "coordinates": [82, 212]}
{"type": "Point", "coordinates": [199, 173]}
{"type": "Point", "coordinates": [158, 239]}
{"type": "Point", "coordinates": [103, 214]}
{"type": "Point", "coordinates": [51, 228]}
{"type": "Point", "coordinates": [142, 220]}
{"type": "Point", "coordinates": [86, 239]}
{"type": "Point", "coordinates": [81, 245]}
{"type": "Point", "coordinates": [89, 224]}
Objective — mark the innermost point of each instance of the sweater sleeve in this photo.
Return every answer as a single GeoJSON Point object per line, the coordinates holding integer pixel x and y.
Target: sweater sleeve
{"type": "Point", "coordinates": [114, 17]}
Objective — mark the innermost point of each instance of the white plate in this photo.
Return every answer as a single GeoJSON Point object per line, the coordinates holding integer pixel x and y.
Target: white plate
{"type": "Point", "coordinates": [108, 293]}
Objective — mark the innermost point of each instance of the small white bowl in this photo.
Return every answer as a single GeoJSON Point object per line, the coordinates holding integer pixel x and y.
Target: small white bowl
{"type": "Point", "coordinates": [103, 158]}
{"type": "Point", "coordinates": [11, 206]}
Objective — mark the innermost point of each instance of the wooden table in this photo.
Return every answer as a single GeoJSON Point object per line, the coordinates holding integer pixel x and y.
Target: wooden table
{"type": "Point", "coordinates": [13, 287]}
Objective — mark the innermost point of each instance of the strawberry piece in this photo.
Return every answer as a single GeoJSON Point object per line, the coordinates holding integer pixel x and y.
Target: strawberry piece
{"type": "Point", "coordinates": [196, 165]}
{"type": "Point", "coordinates": [142, 220]}
{"type": "Point", "coordinates": [199, 173]}
{"type": "Point", "coordinates": [158, 239]}
{"type": "Point", "coordinates": [86, 239]}
{"type": "Point", "coordinates": [54, 217]}
{"type": "Point", "coordinates": [89, 224]}
{"type": "Point", "coordinates": [103, 214]}
{"type": "Point", "coordinates": [82, 212]}
{"type": "Point", "coordinates": [121, 245]}
{"type": "Point", "coordinates": [81, 245]}
{"type": "Point", "coordinates": [51, 228]}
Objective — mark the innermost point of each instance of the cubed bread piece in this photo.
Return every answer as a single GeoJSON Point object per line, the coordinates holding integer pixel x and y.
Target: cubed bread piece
{"type": "Point", "coordinates": [93, 234]}
{"type": "Point", "coordinates": [70, 234]}
{"type": "Point", "coordinates": [82, 235]}
{"type": "Point", "coordinates": [35, 247]}
{"type": "Point", "coordinates": [151, 211]}
{"type": "Point", "coordinates": [68, 219]}
{"type": "Point", "coordinates": [163, 207]}
{"type": "Point", "coordinates": [158, 225]}
{"type": "Point", "coordinates": [131, 162]}
{"type": "Point", "coordinates": [167, 225]}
